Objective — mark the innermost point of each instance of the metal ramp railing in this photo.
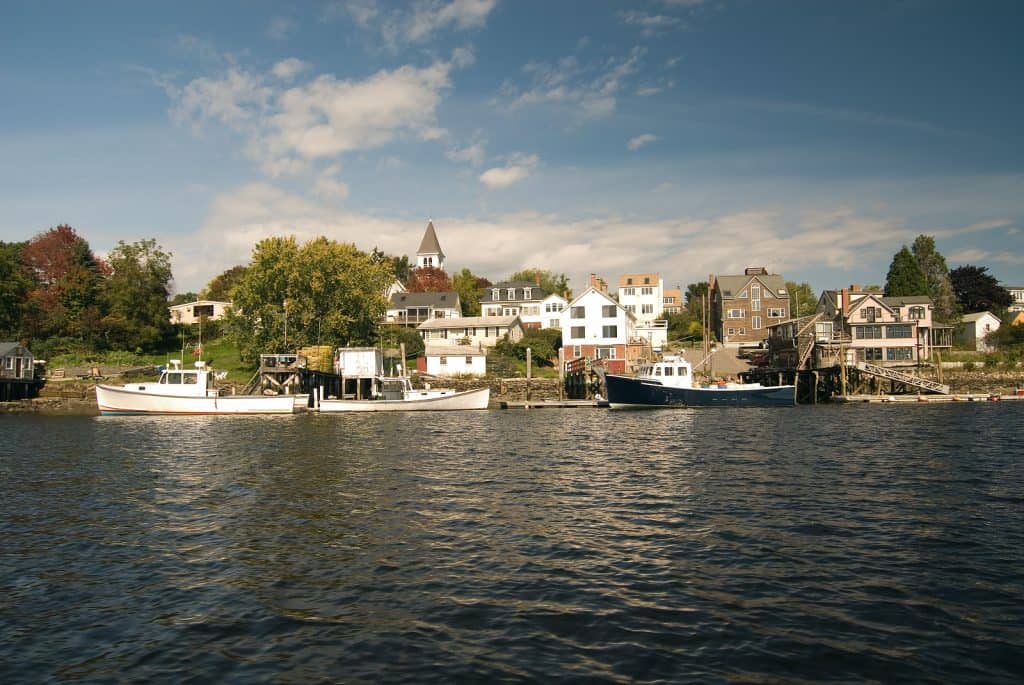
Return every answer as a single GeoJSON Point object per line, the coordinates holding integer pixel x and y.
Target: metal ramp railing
{"type": "Point", "coordinates": [905, 378]}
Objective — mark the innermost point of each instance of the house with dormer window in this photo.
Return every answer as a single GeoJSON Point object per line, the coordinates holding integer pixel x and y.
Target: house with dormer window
{"type": "Point", "coordinates": [412, 309]}
{"type": "Point", "coordinates": [536, 307]}
{"type": "Point", "coordinates": [743, 306]}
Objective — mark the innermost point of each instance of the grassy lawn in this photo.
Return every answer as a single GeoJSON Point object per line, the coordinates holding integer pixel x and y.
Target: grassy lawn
{"type": "Point", "coordinates": [220, 353]}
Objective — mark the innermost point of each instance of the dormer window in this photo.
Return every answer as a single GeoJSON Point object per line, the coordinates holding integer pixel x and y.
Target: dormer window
{"type": "Point", "coordinates": [629, 281]}
{"type": "Point", "coordinates": [511, 293]}
{"type": "Point", "coordinates": [495, 294]}
{"type": "Point", "coordinates": [527, 293]}
{"type": "Point", "coordinates": [647, 281]}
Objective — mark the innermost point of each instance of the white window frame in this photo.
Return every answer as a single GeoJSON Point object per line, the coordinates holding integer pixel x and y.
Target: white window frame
{"type": "Point", "coordinates": [647, 290]}
{"type": "Point", "coordinates": [511, 293]}
{"type": "Point", "coordinates": [735, 314]}
{"type": "Point", "coordinates": [755, 323]}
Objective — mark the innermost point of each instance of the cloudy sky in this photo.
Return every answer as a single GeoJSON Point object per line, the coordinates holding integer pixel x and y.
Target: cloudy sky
{"type": "Point", "coordinates": [680, 136]}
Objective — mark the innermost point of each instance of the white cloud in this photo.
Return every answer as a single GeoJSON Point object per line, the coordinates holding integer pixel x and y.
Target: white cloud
{"type": "Point", "coordinates": [412, 23]}
{"type": "Point", "coordinates": [648, 91]}
{"type": "Point", "coordinates": [650, 24]}
{"type": "Point", "coordinates": [288, 128]}
{"type": "Point", "coordinates": [473, 154]}
{"type": "Point", "coordinates": [638, 142]}
{"type": "Point", "coordinates": [587, 91]}
{"type": "Point", "coordinates": [289, 68]}
{"type": "Point", "coordinates": [281, 28]}
{"type": "Point", "coordinates": [517, 169]}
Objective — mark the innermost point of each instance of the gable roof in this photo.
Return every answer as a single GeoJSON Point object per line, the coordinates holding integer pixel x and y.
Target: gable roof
{"type": "Point", "coordinates": [603, 294]}
{"type": "Point", "coordinates": [731, 286]}
{"type": "Point", "coordinates": [977, 316]}
{"type": "Point", "coordinates": [6, 347]}
{"type": "Point", "coordinates": [429, 244]}
{"type": "Point", "coordinates": [902, 301]}
{"type": "Point", "coordinates": [443, 300]}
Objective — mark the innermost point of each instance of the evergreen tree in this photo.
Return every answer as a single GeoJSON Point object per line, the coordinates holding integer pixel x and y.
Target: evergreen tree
{"type": "Point", "coordinates": [976, 290]}
{"type": "Point", "coordinates": [905, 277]}
{"type": "Point", "coordinates": [936, 275]}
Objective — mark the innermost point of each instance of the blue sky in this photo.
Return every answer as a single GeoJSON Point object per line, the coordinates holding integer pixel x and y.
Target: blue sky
{"type": "Point", "coordinates": [686, 137]}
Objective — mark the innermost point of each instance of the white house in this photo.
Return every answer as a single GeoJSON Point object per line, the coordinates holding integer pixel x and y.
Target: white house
{"type": "Point", "coordinates": [192, 312]}
{"type": "Point", "coordinates": [596, 326]}
{"type": "Point", "coordinates": [454, 360]}
{"type": "Point", "coordinates": [643, 295]}
{"type": "Point", "coordinates": [1017, 293]}
{"type": "Point", "coordinates": [975, 328]}
{"type": "Point", "coordinates": [550, 311]}
{"type": "Point", "coordinates": [478, 331]}
{"type": "Point", "coordinates": [535, 306]}
{"type": "Point", "coordinates": [414, 308]}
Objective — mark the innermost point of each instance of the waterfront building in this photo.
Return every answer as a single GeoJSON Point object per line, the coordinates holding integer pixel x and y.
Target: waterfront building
{"type": "Point", "coordinates": [744, 306]}
{"type": "Point", "coordinates": [1017, 294]}
{"type": "Point", "coordinates": [412, 309]}
{"type": "Point", "coordinates": [643, 295]}
{"type": "Point", "coordinates": [453, 360]}
{"type": "Point", "coordinates": [535, 306]}
{"type": "Point", "coordinates": [192, 312]}
{"type": "Point", "coordinates": [672, 301]}
{"type": "Point", "coordinates": [430, 253]}
{"type": "Point", "coordinates": [480, 331]}
{"type": "Point", "coordinates": [17, 371]}
{"type": "Point", "coordinates": [974, 328]}
{"type": "Point", "coordinates": [595, 326]}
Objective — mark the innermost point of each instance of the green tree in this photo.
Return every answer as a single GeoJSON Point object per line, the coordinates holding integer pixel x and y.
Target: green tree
{"type": "Point", "coordinates": [543, 344]}
{"type": "Point", "coordinates": [802, 300]}
{"type": "Point", "coordinates": [220, 287]}
{"type": "Point", "coordinates": [550, 281]}
{"type": "Point", "coordinates": [182, 298]}
{"type": "Point", "coordinates": [683, 326]}
{"type": "Point", "coordinates": [936, 275]}
{"type": "Point", "coordinates": [976, 290]}
{"type": "Point", "coordinates": [694, 296]}
{"type": "Point", "coordinates": [322, 292]}
{"type": "Point", "coordinates": [136, 296]}
{"type": "Point", "coordinates": [470, 288]}
{"type": "Point", "coordinates": [905, 277]}
{"type": "Point", "coordinates": [14, 288]}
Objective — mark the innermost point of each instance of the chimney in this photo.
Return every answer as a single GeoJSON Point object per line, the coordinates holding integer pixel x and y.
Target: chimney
{"type": "Point", "coordinates": [537, 274]}
{"type": "Point", "coordinates": [855, 288]}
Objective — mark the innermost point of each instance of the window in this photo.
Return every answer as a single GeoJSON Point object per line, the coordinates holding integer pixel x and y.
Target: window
{"type": "Point", "coordinates": [553, 307]}
{"type": "Point", "coordinates": [469, 361]}
{"type": "Point", "coordinates": [527, 293]}
{"type": "Point", "coordinates": [900, 331]}
{"type": "Point", "coordinates": [9, 363]}
{"type": "Point", "coordinates": [776, 312]}
{"type": "Point", "coordinates": [578, 313]}
{"type": "Point", "coordinates": [873, 354]}
{"type": "Point", "coordinates": [173, 378]}
{"type": "Point", "coordinates": [755, 292]}
{"type": "Point", "coordinates": [578, 332]}
{"type": "Point", "coordinates": [646, 291]}
{"type": "Point", "coordinates": [743, 293]}
{"type": "Point", "coordinates": [606, 353]}
{"type": "Point", "coordinates": [899, 354]}
{"type": "Point", "coordinates": [511, 292]}
{"type": "Point", "coordinates": [191, 379]}
{"type": "Point", "coordinates": [629, 291]}
{"type": "Point", "coordinates": [444, 361]}
{"type": "Point", "coordinates": [438, 313]}
{"type": "Point", "coordinates": [755, 323]}
{"type": "Point", "coordinates": [743, 331]}
{"type": "Point", "coordinates": [868, 332]}
{"type": "Point", "coordinates": [629, 281]}
{"type": "Point", "coordinates": [631, 308]}
{"type": "Point", "coordinates": [669, 370]}
{"type": "Point", "coordinates": [647, 309]}
{"type": "Point", "coordinates": [647, 280]}
{"type": "Point", "coordinates": [495, 294]}
{"type": "Point", "coordinates": [510, 311]}
{"type": "Point", "coordinates": [682, 371]}
{"type": "Point", "coordinates": [870, 313]}
{"type": "Point", "coordinates": [608, 311]}
{"type": "Point", "coordinates": [916, 313]}
{"type": "Point", "coordinates": [553, 323]}
{"type": "Point", "coordinates": [730, 331]}
{"type": "Point", "coordinates": [735, 313]}
{"type": "Point", "coordinates": [755, 305]}
{"type": "Point", "coordinates": [202, 310]}
{"type": "Point", "coordinates": [577, 351]}
{"type": "Point", "coordinates": [609, 331]}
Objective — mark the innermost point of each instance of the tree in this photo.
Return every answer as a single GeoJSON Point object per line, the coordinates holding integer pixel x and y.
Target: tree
{"type": "Point", "coordinates": [136, 296]}
{"type": "Point", "coordinates": [399, 265]}
{"type": "Point", "coordinates": [14, 288]}
{"type": "Point", "coordinates": [977, 291]}
{"type": "Point", "coordinates": [470, 288]}
{"type": "Point", "coordinates": [694, 296]}
{"type": "Point", "coordinates": [220, 287]}
{"type": "Point", "coordinates": [323, 292]}
{"type": "Point", "coordinates": [905, 277]}
{"type": "Point", "coordinates": [66, 284]}
{"type": "Point", "coordinates": [550, 281]}
{"type": "Point", "coordinates": [429, 279]}
{"type": "Point", "coordinates": [683, 326]}
{"type": "Point", "coordinates": [802, 300]}
{"type": "Point", "coordinates": [543, 344]}
{"type": "Point", "coordinates": [182, 298]}
{"type": "Point", "coordinates": [936, 275]}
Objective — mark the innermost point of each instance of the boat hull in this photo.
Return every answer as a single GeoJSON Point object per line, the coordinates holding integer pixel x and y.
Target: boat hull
{"type": "Point", "coordinates": [624, 391]}
{"type": "Point", "coordinates": [469, 399]}
{"type": "Point", "coordinates": [113, 400]}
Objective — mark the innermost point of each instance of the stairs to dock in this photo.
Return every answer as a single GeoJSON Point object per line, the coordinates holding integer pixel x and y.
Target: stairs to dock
{"type": "Point", "coordinates": [905, 378]}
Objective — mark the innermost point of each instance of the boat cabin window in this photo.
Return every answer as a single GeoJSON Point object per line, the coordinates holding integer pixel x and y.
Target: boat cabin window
{"type": "Point", "coordinates": [682, 370]}
{"type": "Point", "coordinates": [668, 370]}
{"type": "Point", "coordinates": [657, 370]}
{"type": "Point", "coordinates": [171, 378]}
{"type": "Point", "coordinates": [190, 378]}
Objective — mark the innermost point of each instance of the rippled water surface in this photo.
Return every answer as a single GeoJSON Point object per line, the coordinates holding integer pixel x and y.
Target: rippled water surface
{"type": "Point", "coordinates": [866, 543]}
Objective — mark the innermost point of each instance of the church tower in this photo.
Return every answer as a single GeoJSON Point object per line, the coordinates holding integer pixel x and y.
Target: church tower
{"type": "Point", "coordinates": [430, 253]}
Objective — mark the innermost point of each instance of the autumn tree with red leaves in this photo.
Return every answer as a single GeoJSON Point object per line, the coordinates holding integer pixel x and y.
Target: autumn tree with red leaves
{"type": "Point", "coordinates": [429, 279]}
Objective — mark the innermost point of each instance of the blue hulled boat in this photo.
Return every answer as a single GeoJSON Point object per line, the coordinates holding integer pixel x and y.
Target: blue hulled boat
{"type": "Point", "coordinates": [669, 383]}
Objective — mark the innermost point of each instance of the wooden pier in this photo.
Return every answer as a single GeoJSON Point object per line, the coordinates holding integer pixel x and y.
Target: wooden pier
{"type": "Point", "coordinates": [557, 404]}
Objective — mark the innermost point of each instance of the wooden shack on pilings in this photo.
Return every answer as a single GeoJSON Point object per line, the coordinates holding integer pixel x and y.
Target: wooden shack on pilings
{"type": "Point", "coordinates": [279, 374]}
{"type": "Point", "coordinates": [17, 372]}
{"type": "Point", "coordinates": [584, 379]}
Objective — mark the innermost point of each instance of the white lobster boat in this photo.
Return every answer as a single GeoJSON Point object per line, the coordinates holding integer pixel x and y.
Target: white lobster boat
{"type": "Point", "coordinates": [397, 394]}
{"type": "Point", "coordinates": [186, 391]}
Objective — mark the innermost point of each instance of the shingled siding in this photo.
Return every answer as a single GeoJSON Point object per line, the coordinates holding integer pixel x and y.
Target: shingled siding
{"type": "Point", "coordinates": [746, 321]}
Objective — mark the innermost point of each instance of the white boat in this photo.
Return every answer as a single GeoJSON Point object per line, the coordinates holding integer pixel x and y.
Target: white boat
{"type": "Point", "coordinates": [669, 383]}
{"type": "Point", "coordinates": [187, 391]}
{"type": "Point", "coordinates": [397, 394]}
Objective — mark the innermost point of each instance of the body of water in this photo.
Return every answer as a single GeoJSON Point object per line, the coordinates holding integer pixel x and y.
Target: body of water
{"type": "Point", "coordinates": [870, 543]}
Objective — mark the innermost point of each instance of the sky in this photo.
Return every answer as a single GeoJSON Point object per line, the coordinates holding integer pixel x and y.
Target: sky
{"type": "Point", "coordinates": [684, 137]}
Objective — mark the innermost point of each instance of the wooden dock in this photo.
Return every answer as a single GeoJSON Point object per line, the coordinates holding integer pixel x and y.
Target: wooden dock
{"type": "Point", "coordinates": [556, 404]}
{"type": "Point", "coordinates": [925, 399]}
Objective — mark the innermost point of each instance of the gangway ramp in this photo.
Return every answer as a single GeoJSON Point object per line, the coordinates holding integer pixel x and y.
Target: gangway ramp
{"type": "Point", "coordinates": [905, 378]}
